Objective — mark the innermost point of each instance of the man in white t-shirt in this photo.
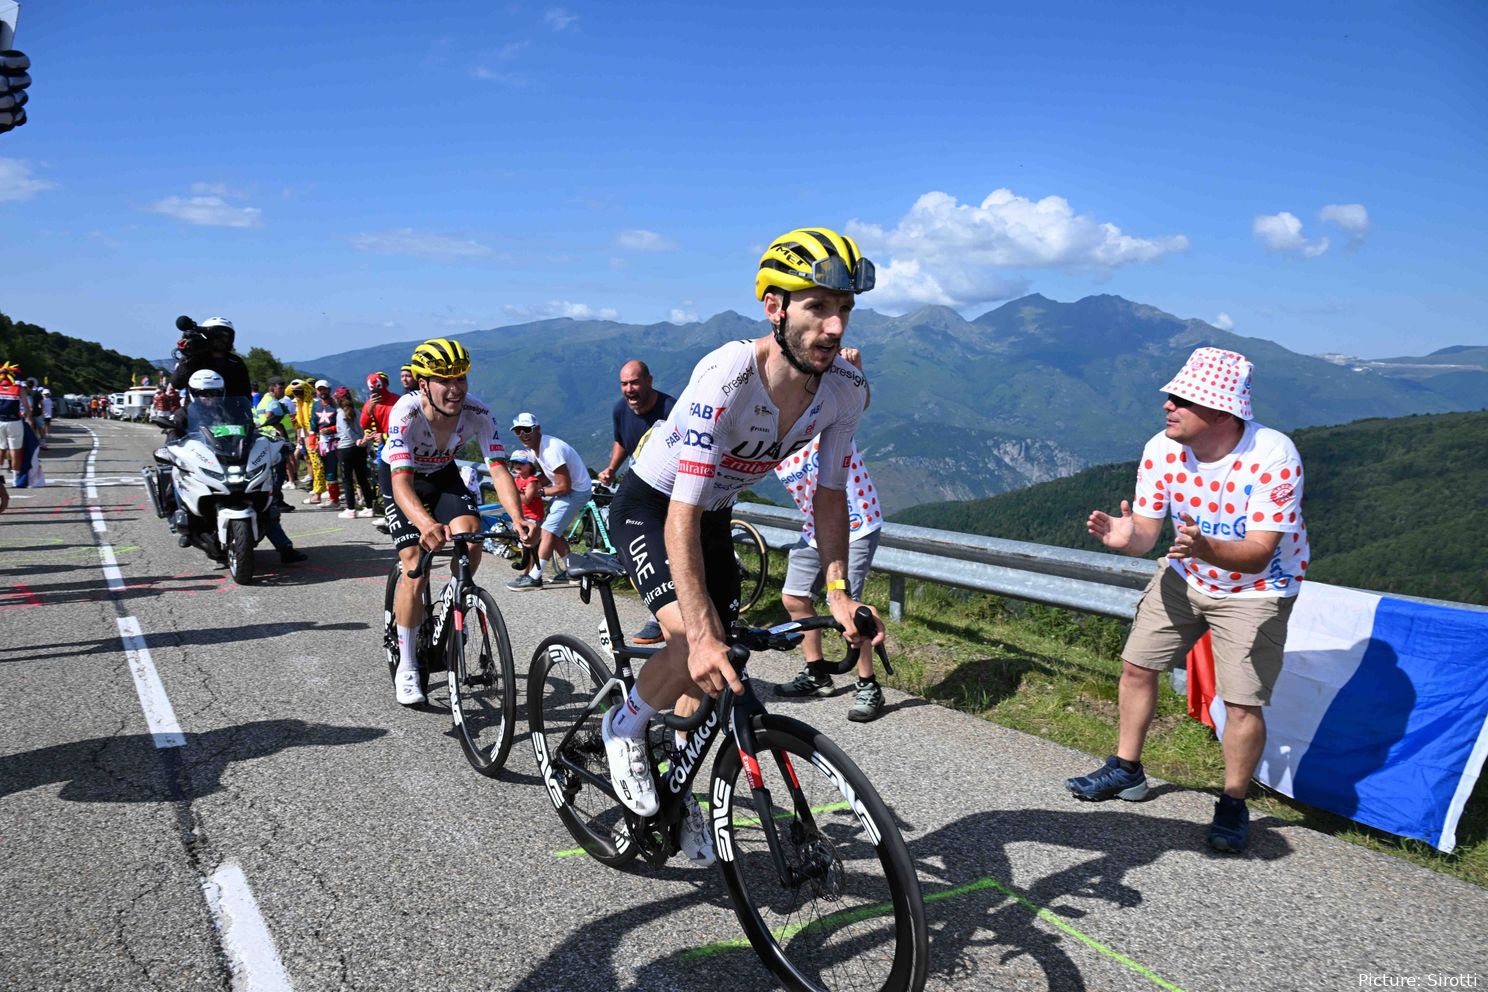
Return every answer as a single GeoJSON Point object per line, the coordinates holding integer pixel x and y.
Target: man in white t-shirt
{"type": "Point", "coordinates": [803, 570]}
{"type": "Point", "coordinates": [568, 487]}
{"type": "Point", "coordinates": [1234, 491]}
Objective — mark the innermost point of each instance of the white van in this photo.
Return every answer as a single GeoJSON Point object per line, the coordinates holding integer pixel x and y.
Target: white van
{"type": "Point", "coordinates": [132, 404]}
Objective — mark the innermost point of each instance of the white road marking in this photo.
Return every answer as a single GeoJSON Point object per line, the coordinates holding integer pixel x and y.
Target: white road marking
{"type": "Point", "coordinates": [159, 715]}
{"type": "Point", "coordinates": [250, 950]}
{"type": "Point", "coordinates": [242, 932]}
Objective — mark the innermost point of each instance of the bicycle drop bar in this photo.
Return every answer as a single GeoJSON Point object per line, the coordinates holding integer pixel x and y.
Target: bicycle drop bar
{"type": "Point", "coordinates": [425, 554]}
{"type": "Point", "coordinates": [782, 637]}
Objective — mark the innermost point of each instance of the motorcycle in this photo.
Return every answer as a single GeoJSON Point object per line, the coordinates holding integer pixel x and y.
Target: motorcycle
{"type": "Point", "coordinates": [215, 485]}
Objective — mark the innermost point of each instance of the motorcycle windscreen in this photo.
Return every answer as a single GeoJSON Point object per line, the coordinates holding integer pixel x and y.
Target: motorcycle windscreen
{"type": "Point", "coordinates": [224, 423]}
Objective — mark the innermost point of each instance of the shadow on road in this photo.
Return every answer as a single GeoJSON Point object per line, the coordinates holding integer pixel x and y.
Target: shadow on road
{"type": "Point", "coordinates": [126, 769]}
{"type": "Point", "coordinates": [984, 933]}
{"type": "Point", "coordinates": [214, 635]}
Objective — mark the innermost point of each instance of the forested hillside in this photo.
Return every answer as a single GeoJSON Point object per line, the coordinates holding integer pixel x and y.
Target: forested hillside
{"type": "Point", "coordinates": [1397, 505]}
{"type": "Point", "coordinates": [67, 364]}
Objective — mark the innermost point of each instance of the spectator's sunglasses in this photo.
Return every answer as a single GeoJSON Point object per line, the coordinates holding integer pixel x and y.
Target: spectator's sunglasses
{"type": "Point", "coordinates": [1179, 401]}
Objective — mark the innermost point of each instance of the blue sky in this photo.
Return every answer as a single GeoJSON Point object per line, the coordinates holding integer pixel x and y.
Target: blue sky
{"type": "Point", "coordinates": [332, 175]}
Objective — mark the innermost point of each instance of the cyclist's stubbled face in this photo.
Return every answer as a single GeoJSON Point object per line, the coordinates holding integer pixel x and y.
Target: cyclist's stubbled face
{"type": "Point", "coordinates": [815, 322]}
{"type": "Point", "coordinates": [446, 395]}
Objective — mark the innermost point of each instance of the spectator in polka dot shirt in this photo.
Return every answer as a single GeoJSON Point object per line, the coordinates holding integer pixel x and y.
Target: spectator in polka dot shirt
{"type": "Point", "coordinates": [1233, 489]}
{"type": "Point", "coordinates": [803, 572]}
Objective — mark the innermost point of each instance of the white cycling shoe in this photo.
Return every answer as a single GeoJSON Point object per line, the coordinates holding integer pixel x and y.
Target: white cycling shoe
{"type": "Point", "coordinates": [630, 772]}
{"type": "Point", "coordinates": [407, 685]}
{"type": "Point", "coordinates": [697, 839]}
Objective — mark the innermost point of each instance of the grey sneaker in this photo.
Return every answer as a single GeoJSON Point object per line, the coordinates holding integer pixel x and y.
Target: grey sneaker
{"type": "Point", "coordinates": [649, 634]}
{"type": "Point", "coordinates": [806, 684]}
{"type": "Point", "coordinates": [525, 583]}
{"type": "Point", "coordinates": [868, 703]}
{"type": "Point", "coordinates": [560, 579]}
{"type": "Point", "coordinates": [1109, 781]}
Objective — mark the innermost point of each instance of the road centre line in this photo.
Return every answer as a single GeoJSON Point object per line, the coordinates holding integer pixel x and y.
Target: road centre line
{"type": "Point", "coordinates": [251, 954]}
{"type": "Point", "coordinates": [243, 936]}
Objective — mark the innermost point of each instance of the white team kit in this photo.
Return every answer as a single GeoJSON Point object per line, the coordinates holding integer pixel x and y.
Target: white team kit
{"type": "Point", "coordinates": [411, 443]}
{"type": "Point", "coordinates": [723, 435]}
{"type": "Point", "coordinates": [1258, 486]}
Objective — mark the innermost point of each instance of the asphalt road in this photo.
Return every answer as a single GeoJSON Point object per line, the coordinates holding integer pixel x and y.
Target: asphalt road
{"type": "Point", "coordinates": [312, 834]}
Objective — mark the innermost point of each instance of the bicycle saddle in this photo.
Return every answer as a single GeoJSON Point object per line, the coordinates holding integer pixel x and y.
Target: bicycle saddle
{"type": "Point", "coordinates": [597, 564]}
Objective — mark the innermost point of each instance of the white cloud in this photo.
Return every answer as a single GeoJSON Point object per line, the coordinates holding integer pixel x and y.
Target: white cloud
{"type": "Point", "coordinates": [1283, 232]}
{"type": "Point", "coordinates": [559, 18]}
{"type": "Point", "coordinates": [1352, 217]}
{"type": "Point", "coordinates": [207, 211]}
{"type": "Point", "coordinates": [487, 74]}
{"type": "Point", "coordinates": [560, 308]}
{"type": "Point", "coordinates": [420, 244]}
{"type": "Point", "coordinates": [1224, 322]}
{"type": "Point", "coordinates": [680, 315]}
{"type": "Point", "coordinates": [639, 240]}
{"type": "Point", "coordinates": [947, 252]}
{"type": "Point", "coordinates": [17, 183]}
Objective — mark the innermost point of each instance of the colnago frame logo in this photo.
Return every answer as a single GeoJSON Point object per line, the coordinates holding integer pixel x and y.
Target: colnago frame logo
{"type": "Point", "coordinates": [697, 744]}
{"type": "Point", "coordinates": [442, 611]}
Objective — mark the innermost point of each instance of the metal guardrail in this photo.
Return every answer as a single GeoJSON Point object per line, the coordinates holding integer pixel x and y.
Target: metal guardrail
{"type": "Point", "coordinates": [1089, 581]}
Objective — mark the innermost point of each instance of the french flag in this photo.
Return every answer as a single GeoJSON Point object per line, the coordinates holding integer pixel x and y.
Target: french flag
{"type": "Point", "coordinates": [1380, 713]}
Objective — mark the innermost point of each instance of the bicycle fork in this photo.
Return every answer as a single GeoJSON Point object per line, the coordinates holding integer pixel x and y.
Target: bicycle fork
{"type": "Point", "coordinates": [741, 726]}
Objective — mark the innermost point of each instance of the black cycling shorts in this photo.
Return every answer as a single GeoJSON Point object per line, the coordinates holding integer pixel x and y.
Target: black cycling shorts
{"type": "Point", "coordinates": [443, 494]}
{"type": "Point", "coordinates": [638, 530]}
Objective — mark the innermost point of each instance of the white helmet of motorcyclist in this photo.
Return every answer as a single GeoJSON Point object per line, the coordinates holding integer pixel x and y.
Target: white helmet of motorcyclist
{"type": "Point", "coordinates": [207, 382]}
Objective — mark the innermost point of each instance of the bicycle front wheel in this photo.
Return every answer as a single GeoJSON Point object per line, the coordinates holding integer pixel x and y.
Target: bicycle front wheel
{"type": "Point", "coordinates": [390, 621]}
{"type": "Point", "coordinates": [565, 676]}
{"type": "Point", "coordinates": [752, 556]}
{"type": "Point", "coordinates": [482, 683]}
{"type": "Point", "coordinates": [851, 917]}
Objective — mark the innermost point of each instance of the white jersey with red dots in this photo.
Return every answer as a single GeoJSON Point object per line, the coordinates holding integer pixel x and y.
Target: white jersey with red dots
{"type": "Point", "coordinates": [1257, 486]}
{"type": "Point", "coordinates": [798, 473]}
{"type": "Point", "coordinates": [723, 434]}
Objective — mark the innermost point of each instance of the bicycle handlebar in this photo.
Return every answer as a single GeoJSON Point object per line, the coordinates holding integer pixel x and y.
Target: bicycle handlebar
{"type": "Point", "coordinates": [782, 638]}
{"type": "Point", "coordinates": [425, 554]}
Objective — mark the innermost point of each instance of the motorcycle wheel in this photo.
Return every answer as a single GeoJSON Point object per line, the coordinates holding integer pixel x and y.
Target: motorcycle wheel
{"type": "Point", "coordinates": [240, 551]}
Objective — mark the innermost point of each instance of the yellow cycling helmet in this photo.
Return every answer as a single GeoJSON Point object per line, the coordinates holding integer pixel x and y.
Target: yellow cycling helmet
{"type": "Point", "coordinates": [813, 256]}
{"type": "Point", "coordinates": [442, 358]}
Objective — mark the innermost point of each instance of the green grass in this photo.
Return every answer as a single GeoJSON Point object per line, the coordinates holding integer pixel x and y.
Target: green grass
{"type": "Point", "coordinates": [1053, 673]}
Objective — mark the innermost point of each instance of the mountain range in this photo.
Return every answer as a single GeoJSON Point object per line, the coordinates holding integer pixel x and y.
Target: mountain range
{"type": "Point", "coordinates": [1033, 390]}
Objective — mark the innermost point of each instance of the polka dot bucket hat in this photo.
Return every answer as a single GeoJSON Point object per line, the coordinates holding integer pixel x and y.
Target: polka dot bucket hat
{"type": "Point", "coordinates": [1217, 379]}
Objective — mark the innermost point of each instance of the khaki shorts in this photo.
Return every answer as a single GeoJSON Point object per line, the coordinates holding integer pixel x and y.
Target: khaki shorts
{"type": "Point", "coordinates": [1248, 635]}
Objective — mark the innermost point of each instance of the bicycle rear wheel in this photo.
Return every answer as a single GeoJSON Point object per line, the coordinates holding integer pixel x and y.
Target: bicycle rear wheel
{"type": "Point", "coordinates": [583, 536]}
{"type": "Point", "coordinates": [752, 556]}
{"type": "Point", "coordinates": [564, 678]}
{"type": "Point", "coordinates": [482, 683]}
{"type": "Point", "coordinates": [857, 920]}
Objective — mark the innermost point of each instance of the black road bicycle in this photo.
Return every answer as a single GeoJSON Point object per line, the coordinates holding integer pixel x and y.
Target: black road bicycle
{"type": "Point", "coordinates": [469, 641]}
{"type": "Point", "coordinates": [820, 878]}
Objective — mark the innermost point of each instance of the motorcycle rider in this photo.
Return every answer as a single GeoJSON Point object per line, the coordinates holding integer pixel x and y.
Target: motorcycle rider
{"type": "Point", "coordinates": [208, 386]}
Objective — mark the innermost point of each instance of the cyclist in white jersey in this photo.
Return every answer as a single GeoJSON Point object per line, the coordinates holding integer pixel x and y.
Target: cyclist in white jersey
{"type": "Point", "coordinates": [429, 499]}
{"type": "Point", "coordinates": [748, 405]}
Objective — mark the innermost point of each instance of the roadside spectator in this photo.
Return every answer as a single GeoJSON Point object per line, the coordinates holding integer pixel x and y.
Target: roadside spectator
{"type": "Point", "coordinates": [351, 452]}
{"type": "Point", "coordinates": [303, 395]}
{"type": "Point", "coordinates": [275, 421]}
{"type": "Point", "coordinates": [46, 414]}
{"type": "Point", "coordinates": [406, 380]}
{"type": "Point", "coordinates": [638, 408]}
{"type": "Point", "coordinates": [323, 423]}
{"type": "Point", "coordinates": [15, 410]}
{"type": "Point", "coordinates": [530, 483]}
{"type": "Point", "coordinates": [1215, 471]}
{"type": "Point", "coordinates": [379, 405]}
{"type": "Point", "coordinates": [803, 571]}
{"type": "Point", "coordinates": [569, 490]}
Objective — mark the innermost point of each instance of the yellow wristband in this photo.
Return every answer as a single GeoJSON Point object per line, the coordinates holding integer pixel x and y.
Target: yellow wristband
{"type": "Point", "coordinates": [836, 584]}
